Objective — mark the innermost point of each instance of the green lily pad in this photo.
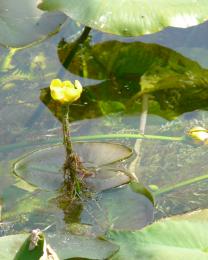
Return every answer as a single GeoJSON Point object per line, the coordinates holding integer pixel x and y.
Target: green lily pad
{"type": "Point", "coordinates": [131, 18]}
{"type": "Point", "coordinates": [66, 246]}
{"type": "Point", "coordinates": [122, 208]}
{"type": "Point", "coordinates": [30, 249]}
{"type": "Point", "coordinates": [22, 25]}
{"type": "Point", "coordinates": [10, 245]}
{"type": "Point", "coordinates": [43, 168]}
{"type": "Point", "coordinates": [71, 246]}
{"type": "Point", "coordinates": [167, 239]}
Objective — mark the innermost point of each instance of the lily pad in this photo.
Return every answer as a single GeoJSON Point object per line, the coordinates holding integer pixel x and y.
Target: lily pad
{"type": "Point", "coordinates": [131, 18]}
{"type": "Point", "coordinates": [34, 247]}
{"type": "Point", "coordinates": [66, 246]}
{"type": "Point", "coordinates": [43, 168]}
{"type": "Point", "coordinates": [10, 245]}
{"type": "Point", "coordinates": [122, 208]}
{"type": "Point", "coordinates": [71, 246]}
{"type": "Point", "coordinates": [167, 239]}
{"type": "Point", "coordinates": [22, 25]}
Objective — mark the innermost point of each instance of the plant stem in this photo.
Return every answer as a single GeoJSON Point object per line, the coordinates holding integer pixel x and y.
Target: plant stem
{"type": "Point", "coordinates": [36, 114]}
{"type": "Point", "coordinates": [9, 147]}
{"type": "Point", "coordinates": [8, 60]}
{"type": "Point", "coordinates": [137, 147]}
{"type": "Point", "coordinates": [70, 166]}
{"type": "Point", "coordinates": [73, 51]}
{"type": "Point", "coordinates": [129, 136]}
{"type": "Point", "coordinates": [180, 184]}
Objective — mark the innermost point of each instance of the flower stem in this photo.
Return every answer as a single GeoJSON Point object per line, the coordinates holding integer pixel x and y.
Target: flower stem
{"type": "Point", "coordinates": [181, 184]}
{"type": "Point", "coordinates": [72, 53]}
{"type": "Point", "coordinates": [138, 144]}
{"type": "Point", "coordinates": [71, 164]}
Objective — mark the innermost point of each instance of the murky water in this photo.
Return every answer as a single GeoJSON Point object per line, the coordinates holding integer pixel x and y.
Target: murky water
{"type": "Point", "coordinates": [108, 106]}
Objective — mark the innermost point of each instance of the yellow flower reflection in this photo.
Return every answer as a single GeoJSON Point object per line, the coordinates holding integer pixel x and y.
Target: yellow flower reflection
{"type": "Point", "coordinates": [199, 134]}
{"type": "Point", "coordinates": [66, 91]}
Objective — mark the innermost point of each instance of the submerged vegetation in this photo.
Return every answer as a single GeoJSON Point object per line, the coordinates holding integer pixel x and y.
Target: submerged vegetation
{"type": "Point", "coordinates": [126, 176]}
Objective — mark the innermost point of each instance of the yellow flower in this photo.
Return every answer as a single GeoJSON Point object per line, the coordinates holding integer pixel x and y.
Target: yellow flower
{"type": "Point", "coordinates": [199, 134]}
{"type": "Point", "coordinates": [65, 92]}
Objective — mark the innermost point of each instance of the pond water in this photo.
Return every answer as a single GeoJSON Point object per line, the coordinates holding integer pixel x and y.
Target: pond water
{"type": "Point", "coordinates": [175, 171]}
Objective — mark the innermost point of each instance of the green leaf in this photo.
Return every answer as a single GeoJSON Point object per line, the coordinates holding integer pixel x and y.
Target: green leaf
{"type": "Point", "coordinates": [10, 245]}
{"type": "Point", "coordinates": [19, 203]}
{"type": "Point", "coordinates": [23, 24]}
{"type": "Point", "coordinates": [16, 247]}
{"type": "Point", "coordinates": [176, 83]}
{"type": "Point", "coordinates": [28, 250]}
{"type": "Point", "coordinates": [109, 107]}
{"type": "Point", "coordinates": [133, 61]}
{"type": "Point", "coordinates": [131, 18]}
{"type": "Point", "coordinates": [43, 168]}
{"type": "Point", "coordinates": [139, 188]}
{"type": "Point", "coordinates": [121, 208]}
{"type": "Point", "coordinates": [166, 239]}
{"type": "Point", "coordinates": [71, 246]}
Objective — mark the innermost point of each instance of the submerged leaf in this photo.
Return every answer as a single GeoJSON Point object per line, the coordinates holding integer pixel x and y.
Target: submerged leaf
{"type": "Point", "coordinates": [43, 168]}
{"type": "Point", "coordinates": [120, 208]}
{"type": "Point", "coordinates": [176, 83]}
{"type": "Point", "coordinates": [128, 60]}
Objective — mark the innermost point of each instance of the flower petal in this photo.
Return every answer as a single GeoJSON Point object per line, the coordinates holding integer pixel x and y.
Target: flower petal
{"type": "Point", "coordinates": [78, 86]}
{"type": "Point", "coordinates": [55, 83]}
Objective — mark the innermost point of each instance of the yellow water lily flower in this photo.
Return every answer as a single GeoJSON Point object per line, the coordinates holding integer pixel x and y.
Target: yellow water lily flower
{"type": "Point", "coordinates": [66, 91]}
{"type": "Point", "coordinates": [199, 134]}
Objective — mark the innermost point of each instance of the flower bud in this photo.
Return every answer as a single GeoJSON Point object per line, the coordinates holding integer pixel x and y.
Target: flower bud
{"type": "Point", "coordinates": [199, 134]}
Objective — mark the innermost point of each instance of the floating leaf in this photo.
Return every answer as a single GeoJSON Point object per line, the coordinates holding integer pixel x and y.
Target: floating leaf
{"type": "Point", "coordinates": [67, 246]}
{"type": "Point", "coordinates": [131, 18]}
{"type": "Point", "coordinates": [10, 245]}
{"type": "Point", "coordinates": [106, 178]}
{"type": "Point", "coordinates": [43, 168]}
{"type": "Point", "coordinates": [166, 239]}
{"type": "Point", "coordinates": [34, 247]}
{"type": "Point", "coordinates": [71, 246]}
{"type": "Point", "coordinates": [25, 24]}
{"type": "Point", "coordinates": [120, 208]}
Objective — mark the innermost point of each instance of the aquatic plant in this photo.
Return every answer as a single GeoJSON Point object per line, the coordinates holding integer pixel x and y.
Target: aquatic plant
{"type": "Point", "coordinates": [130, 18]}
{"type": "Point", "coordinates": [66, 93]}
{"type": "Point", "coordinates": [198, 134]}
{"type": "Point", "coordinates": [140, 72]}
